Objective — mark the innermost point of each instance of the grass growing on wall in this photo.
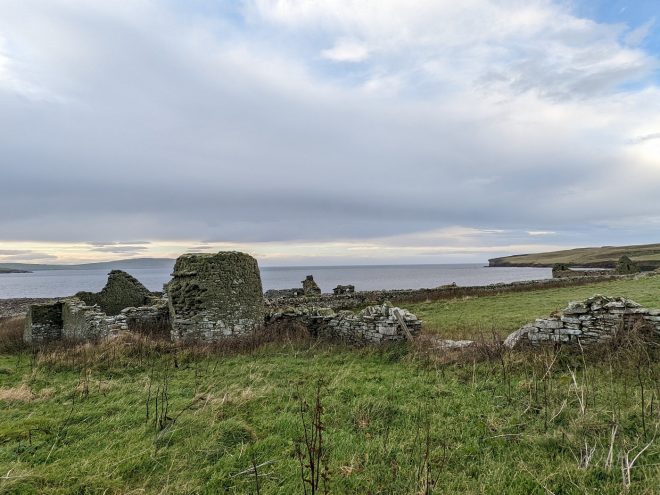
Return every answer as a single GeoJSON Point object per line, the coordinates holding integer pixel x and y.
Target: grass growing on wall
{"type": "Point", "coordinates": [502, 314]}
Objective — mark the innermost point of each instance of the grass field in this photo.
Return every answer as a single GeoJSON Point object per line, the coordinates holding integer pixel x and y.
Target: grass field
{"type": "Point", "coordinates": [502, 314]}
{"type": "Point", "coordinates": [593, 256]}
{"type": "Point", "coordinates": [140, 416]}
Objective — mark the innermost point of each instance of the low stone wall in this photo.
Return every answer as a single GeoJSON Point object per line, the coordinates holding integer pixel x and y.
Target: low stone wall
{"type": "Point", "coordinates": [593, 321]}
{"type": "Point", "coordinates": [373, 325]}
{"type": "Point", "coordinates": [83, 322]}
{"type": "Point", "coordinates": [147, 318]}
{"type": "Point", "coordinates": [360, 299]}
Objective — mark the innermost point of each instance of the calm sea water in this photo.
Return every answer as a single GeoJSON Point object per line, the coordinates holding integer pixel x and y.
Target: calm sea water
{"type": "Point", "coordinates": [56, 283]}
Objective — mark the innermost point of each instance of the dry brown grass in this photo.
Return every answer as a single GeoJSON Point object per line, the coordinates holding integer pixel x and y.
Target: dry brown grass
{"type": "Point", "coordinates": [22, 393]}
{"type": "Point", "coordinates": [11, 334]}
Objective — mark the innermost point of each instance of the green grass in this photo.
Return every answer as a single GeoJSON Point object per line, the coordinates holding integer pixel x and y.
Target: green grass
{"type": "Point", "coordinates": [502, 314]}
{"type": "Point", "coordinates": [493, 427]}
{"type": "Point", "coordinates": [397, 420]}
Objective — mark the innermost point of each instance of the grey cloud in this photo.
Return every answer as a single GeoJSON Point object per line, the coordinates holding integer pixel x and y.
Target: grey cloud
{"type": "Point", "coordinates": [153, 139]}
{"type": "Point", "coordinates": [647, 137]}
{"type": "Point", "coordinates": [27, 257]}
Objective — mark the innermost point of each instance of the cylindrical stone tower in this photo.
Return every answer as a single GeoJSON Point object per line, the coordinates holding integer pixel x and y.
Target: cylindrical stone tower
{"type": "Point", "coordinates": [213, 296]}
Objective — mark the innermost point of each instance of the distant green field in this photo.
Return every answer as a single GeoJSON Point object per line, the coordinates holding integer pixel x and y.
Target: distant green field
{"type": "Point", "coordinates": [607, 256]}
{"type": "Point", "coordinates": [504, 313]}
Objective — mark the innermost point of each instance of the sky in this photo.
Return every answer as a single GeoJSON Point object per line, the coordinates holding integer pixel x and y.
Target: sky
{"type": "Point", "coordinates": [311, 132]}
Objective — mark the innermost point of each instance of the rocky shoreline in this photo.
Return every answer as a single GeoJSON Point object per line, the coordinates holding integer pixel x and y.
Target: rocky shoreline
{"type": "Point", "coordinates": [10, 308]}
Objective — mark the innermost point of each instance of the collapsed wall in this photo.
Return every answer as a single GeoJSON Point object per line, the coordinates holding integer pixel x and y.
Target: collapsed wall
{"type": "Point", "coordinates": [123, 304]}
{"type": "Point", "coordinates": [372, 325]}
{"type": "Point", "coordinates": [212, 296]}
{"type": "Point", "coordinates": [69, 319]}
{"type": "Point", "coordinates": [593, 321]}
{"type": "Point", "coordinates": [121, 291]}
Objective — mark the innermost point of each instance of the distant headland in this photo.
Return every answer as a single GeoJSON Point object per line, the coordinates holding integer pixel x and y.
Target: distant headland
{"type": "Point", "coordinates": [13, 270]}
{"type": "Point", "coordinates": [647, 257]}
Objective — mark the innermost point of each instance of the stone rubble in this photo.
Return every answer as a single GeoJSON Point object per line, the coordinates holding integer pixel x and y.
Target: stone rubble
{"type": "Point", "coordinates": [372, 325]}
{"type": "Point", "coordinates": [593, 321]}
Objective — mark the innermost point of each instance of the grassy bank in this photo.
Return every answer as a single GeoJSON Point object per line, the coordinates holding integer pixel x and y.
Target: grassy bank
{"type": "Point", "coordinates": [646, 254]}
{"type": "Point", "coordinates": [502, 314]}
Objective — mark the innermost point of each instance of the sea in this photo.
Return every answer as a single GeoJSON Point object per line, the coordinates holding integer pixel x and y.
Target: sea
{"type": "Point", "coordinates": [60, 283]}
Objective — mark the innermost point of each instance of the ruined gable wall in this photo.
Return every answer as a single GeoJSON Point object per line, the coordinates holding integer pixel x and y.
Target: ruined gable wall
{"type": "Point", "coordinates": [121, 291]}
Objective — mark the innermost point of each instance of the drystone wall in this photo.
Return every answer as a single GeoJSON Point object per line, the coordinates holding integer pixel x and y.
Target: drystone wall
{"type": "Point", "coordinates": [83, 322]}
{"type": "Point", "coordinates": [212, 296]}
{"type": "Point", "coordinates": [146, 318]}
{"type": "Point", "coordinates": [131, 307]}
{"type": "Point", "coordinates": [121, 291]}
{"type": "Point", "coordinates": [360, 299]}
{"type": "Point", "coordinates": [69, 319]}
{"type": "Point", "coordinates": [593, 321]}
{"type": "Point", "coordinates": [373, 325]}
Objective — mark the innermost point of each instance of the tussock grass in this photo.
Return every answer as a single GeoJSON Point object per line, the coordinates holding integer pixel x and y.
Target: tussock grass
{"type": "Point", "coordinates": [11, 334]}
{"type": "Point", "coordinates": [139, 415]}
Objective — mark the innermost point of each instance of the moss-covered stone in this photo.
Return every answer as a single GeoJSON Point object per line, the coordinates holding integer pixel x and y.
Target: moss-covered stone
{"type": "Point", "coordinates": [121, 291]}
{"type": "Point", "coordinates": [212, 296]}
{"type": "Point", "coordinates": [626, 266]}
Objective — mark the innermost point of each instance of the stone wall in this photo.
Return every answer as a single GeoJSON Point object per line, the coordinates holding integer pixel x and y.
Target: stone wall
{"type": "Point", "coordinates": [121, 291]}
{"type": "Point", "coordinates": [153, 318]}
{"type": "Point", "coordinates": [43, 323]}
{"type": "Point", "coordinates": [593, 321]}
{"type": "Point", "coordinates": [564, 271]}
{"type": "Point", "coordinates": [360, 299]}
{"type": "Point", "coordinates": [373, 325]}
{"type": "Point", "coordinates": [212, 296]}
{"type": "Point", "coordinates": [83, 322]}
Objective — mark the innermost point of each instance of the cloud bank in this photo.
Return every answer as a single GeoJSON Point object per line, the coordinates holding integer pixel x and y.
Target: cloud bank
{"type": "Point", "coordinates": [340, 123]}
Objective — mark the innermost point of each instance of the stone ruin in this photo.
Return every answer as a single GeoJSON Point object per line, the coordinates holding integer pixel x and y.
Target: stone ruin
{"type": "Point", "coordinates": [210, 297]}
{"type": "Point", "coordinates": [215, 295]}
{"type": "Point", "coordinates": [121, 291]}
{"type": "Point", "coordinates": [343, 289]}
{"type": "Point", "coordinates": [82, 316]}
{"type": "Point", "coordinates": [372, 325]}
{"type": "Point", "coordinates": [593, 321]}
{"type": "Point", "coordinates": [625, 266]}
{"type": "Point", "coordinates": [310, 287]}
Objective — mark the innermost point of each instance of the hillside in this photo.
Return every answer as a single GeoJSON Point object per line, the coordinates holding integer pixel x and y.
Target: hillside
{"type": "Point", "coordinates": [126, 264]}
{"type": "Point", "coordinates": [648, 257]}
